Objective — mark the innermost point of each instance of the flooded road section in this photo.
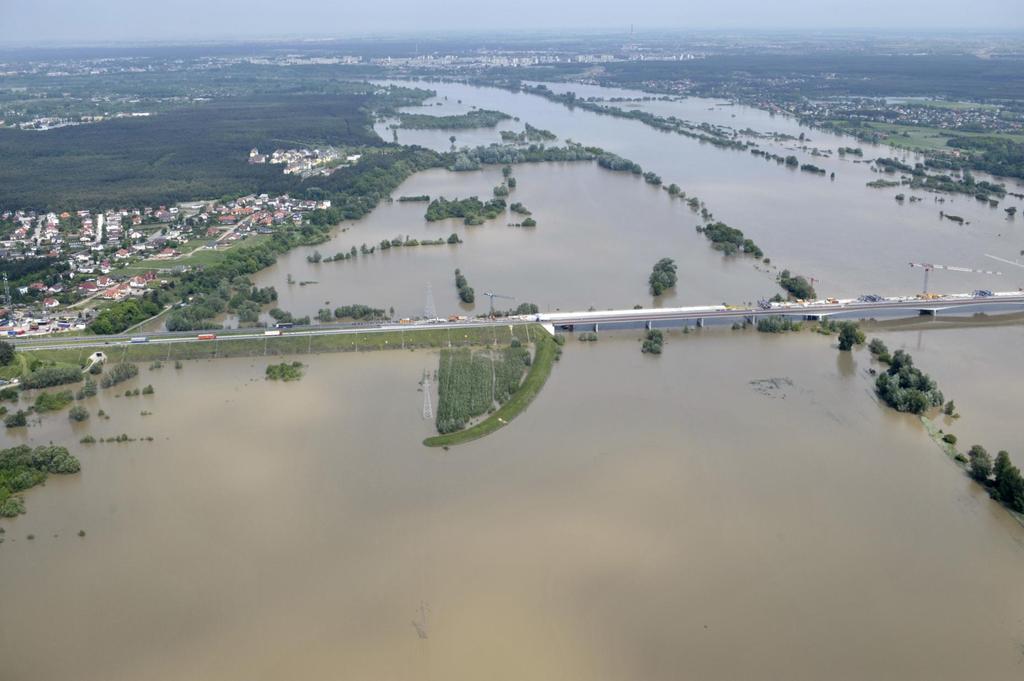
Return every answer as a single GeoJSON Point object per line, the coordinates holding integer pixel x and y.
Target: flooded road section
{"type": "Point", "coordinates": [740, 507]}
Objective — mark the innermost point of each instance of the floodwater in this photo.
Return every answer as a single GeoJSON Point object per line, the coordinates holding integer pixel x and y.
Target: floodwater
{"type": "Point", "coordinates": [740, 507]}
{"type": "Point", "coordinates": [976, 365]}
{"type": "Point", "coordinates": [598, 236]}
{"type": "Point", "coordinates": [600, 232]}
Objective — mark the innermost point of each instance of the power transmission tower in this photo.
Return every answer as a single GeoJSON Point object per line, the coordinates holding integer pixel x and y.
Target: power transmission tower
{"type": "Point", "coordinates": [429, 311]}
{"type": "Point", "coordinates": [428, 407]}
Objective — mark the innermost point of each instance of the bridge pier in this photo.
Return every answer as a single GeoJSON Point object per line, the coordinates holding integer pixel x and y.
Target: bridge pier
{"type": "Point", "coordinates": [649, 325]}
{"type": "Point", "coordinates": [700, 322]}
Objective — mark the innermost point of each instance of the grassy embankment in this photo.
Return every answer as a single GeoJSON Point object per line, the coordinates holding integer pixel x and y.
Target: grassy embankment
{"type": "Point", "coordinates": [226, 346]}
{"type": "Point", "coordinates": [15, 368]}
{"type": "Point", "coordinates": [536, 377]}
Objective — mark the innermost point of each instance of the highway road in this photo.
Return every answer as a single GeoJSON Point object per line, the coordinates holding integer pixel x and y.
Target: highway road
{"type": "Point", "coordinates": [812, 310]}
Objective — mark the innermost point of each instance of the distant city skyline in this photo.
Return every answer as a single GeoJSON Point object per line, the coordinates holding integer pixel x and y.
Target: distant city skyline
{"type": "Point", "coordinates": [44, 23]}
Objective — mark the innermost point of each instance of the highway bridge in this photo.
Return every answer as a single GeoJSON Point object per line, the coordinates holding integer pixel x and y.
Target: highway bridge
{"type": "Point", "coordinates": [864, 308]}
{"type": "Point", "coordinates": [860, 308]}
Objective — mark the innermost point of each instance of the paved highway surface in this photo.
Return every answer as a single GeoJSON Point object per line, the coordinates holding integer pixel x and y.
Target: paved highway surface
{"type": "Point", "coordinates": [813, 310]}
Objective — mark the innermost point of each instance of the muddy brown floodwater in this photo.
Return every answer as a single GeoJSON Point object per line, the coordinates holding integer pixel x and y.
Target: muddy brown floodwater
{"type": "Point", "coordinates": [739, 508]}
{"type": "Point", "coordinates": [599, 233]}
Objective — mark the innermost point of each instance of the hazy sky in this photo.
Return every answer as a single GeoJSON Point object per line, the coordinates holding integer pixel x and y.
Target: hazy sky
{"type": "Point", "coordinates": [45, 22]}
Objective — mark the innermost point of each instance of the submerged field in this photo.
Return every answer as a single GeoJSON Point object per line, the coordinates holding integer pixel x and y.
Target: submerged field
{"type": "Point", "coordinates": [643, 515]}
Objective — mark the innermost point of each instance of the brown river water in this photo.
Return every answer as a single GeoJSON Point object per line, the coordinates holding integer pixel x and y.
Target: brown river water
{"type": "Point", "coordinates": [599, 232]}
{"type": "Point", "coordinates": [740, 507]}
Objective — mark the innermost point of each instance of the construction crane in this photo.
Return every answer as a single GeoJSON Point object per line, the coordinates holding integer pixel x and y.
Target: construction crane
{"type": "Point", "coordinates": [928, 267]}
{"type": "Point", "coordinates": [492, 296]}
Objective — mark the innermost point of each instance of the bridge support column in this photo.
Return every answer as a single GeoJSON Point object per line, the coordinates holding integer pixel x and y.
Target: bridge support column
{"type": "Point", "coordinates": [648, 325]}
{"type": "Point", "coordinates": [700, 322]}
{"type": "Point", "coordinates": [596, 327]}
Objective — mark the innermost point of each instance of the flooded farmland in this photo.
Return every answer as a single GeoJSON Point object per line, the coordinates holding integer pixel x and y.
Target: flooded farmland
{"type": "Point", "coordinates": [640, 520]}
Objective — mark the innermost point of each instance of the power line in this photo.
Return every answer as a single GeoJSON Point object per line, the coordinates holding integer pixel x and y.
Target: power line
{"type": "Point", "coordinates": [428, 407]}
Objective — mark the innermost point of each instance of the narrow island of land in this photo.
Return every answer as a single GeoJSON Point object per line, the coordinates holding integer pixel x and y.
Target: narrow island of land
{"type": "Point", "coordinates": [478, 118]}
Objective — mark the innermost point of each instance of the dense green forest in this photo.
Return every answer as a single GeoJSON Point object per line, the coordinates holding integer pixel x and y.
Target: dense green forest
{"type": "Point", "coordinates": [958, 76]}
{"type": "Point", "coordinates": [184, 154]}
{"type": "Point", "coordinates": [996, 155]}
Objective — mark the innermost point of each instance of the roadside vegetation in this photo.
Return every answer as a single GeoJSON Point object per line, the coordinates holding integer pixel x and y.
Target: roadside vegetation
{"type": "Point", "coordinates": [125, 314]}
{"type": "Point", "coordinates": [797, 286]}
{"type": "Point", "coordinates": [777, 324]}
{"type": "Point", "coordinates": [653, 341]}
{"type": "Point", "coordinates": [288, 344]}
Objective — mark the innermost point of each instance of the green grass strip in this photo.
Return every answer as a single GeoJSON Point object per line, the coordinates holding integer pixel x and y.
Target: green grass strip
{"type": "Point", "coordinates": [535, 379]}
